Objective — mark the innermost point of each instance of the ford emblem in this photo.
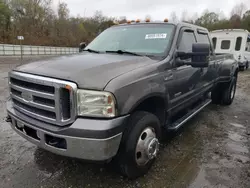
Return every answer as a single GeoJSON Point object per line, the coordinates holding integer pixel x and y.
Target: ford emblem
{"type": "Point", "coordinates": [27, 96]}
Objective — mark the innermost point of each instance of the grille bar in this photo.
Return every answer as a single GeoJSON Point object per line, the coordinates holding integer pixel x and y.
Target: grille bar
{"type": "Point", "coordinates": [32, 114]}
{"type": "Point", "coordinates": [33, 92]}
{"type": "Point", "coordinates": [42, 98]}
{"type": "Point", "coordinates": [33, 86]}
{"type": "Point", "coordinates": [33, 104]}
{"type": "Point", "coordinates": [57, 105]}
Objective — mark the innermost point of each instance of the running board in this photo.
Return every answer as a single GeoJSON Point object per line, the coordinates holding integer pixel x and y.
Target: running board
{"type": "Point", "coordinates": [189, 115]}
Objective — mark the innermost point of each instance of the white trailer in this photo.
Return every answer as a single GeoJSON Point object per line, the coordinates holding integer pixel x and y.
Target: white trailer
{"type": "Point", "coordinates": [233, 41]}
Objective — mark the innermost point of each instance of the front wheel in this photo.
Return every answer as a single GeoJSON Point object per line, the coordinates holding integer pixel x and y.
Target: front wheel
{"type": "Point", "coordinates": [140, 145]}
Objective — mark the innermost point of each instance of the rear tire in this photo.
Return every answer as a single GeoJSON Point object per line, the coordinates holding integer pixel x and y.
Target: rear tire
{"type": "Point", "coordinates": [247, 65]}
{"type": "Point", "coordinates": [140, 145]}
{"type": "Point", "coordinates": [224, 93]}
{"type": "Point", "coordinates": [242, 68]}
{"type": "Point", "coordinates": [229, 92]}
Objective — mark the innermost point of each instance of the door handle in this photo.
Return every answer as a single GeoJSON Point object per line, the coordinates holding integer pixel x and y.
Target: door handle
{"type": "Point", "coordinates": [169, 77]}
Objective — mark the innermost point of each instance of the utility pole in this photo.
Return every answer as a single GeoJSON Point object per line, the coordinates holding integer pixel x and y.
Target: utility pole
{"type": "Point", "coordinates": [21, 38]}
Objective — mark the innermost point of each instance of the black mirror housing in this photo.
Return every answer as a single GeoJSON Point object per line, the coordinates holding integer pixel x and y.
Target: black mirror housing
{"type": "Point", "coordinates": [82, 46]}
{"type": "Point", "coordinates": [199, 55]}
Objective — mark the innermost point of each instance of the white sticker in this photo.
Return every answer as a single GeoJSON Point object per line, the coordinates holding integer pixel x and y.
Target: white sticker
{"type": "Point", "coordinates": [156, 36]}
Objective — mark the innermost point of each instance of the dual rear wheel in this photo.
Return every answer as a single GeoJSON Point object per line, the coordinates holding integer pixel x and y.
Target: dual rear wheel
{"type": "Point", "coordinates": [224, 93]}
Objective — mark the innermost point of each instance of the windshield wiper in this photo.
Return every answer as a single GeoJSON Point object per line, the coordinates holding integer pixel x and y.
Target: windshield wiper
{"type": "Point", "coordinates": [123, 52]}
{"type": "Point", "coordinates": [90, 50]}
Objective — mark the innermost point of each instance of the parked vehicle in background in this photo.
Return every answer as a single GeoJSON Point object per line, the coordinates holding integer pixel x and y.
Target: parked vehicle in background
{"type": "Point", "coordinates": [233, 41]}
{"type": "Point", "coordinates": [115, 99]}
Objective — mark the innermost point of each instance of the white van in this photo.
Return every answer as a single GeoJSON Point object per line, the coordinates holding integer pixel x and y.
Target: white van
{"type": "Point", "coordinates": [233, 41]}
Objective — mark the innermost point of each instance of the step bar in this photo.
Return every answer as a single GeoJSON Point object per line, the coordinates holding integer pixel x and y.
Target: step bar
{"type": "Point", "coordinates": [188, 116]}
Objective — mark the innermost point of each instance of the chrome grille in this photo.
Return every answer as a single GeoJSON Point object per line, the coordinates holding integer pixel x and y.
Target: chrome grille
{"type": "Point", "coordinates": [42, 98]}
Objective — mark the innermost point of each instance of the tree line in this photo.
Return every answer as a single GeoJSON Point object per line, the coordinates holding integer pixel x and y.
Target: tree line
{"type": "Point", "coordinates": [238, 19]}
{"type": "Point", "coordinates": [40, 24]}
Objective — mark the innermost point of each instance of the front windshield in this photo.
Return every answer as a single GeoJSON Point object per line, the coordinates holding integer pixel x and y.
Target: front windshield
{"type": "Point", "coordinates": [145, 39]}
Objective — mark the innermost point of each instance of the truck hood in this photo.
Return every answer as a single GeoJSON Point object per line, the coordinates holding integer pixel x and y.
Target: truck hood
{"type": "Point", "coordinates": [87, 70]}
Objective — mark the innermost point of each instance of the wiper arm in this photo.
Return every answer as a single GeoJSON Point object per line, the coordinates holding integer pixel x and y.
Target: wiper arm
{"type": "Point", "coordinates": [123, 52]}
{"type": "Point", "coordinates": [92, 51]}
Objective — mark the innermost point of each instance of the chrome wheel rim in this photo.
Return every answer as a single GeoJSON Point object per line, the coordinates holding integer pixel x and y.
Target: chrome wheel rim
{"type": "Point", "coordinates": [147, 146]}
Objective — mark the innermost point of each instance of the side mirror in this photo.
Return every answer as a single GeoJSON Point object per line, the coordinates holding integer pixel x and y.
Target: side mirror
{"type": "Point", "coordinates": [199, 56]}
{"type": "Point", "coordinates": [82, 46]}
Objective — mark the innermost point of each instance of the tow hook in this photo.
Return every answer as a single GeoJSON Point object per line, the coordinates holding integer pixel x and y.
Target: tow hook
{"type": "Point", "coordinates": [54, 142]}
{"type": "Point", "coordinates": [7, 119]}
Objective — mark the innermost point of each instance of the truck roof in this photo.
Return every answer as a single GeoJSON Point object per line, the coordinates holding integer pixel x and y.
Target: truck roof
{"type": "Point", "coordinates": [179, 24]}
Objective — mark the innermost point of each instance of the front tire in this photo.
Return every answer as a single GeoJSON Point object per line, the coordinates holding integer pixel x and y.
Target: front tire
{"type": "Point", "coordinates": [140, 145]}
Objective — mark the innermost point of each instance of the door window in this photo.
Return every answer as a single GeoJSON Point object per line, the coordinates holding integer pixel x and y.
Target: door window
{"type": "Point", "coordinates": [187, 40]}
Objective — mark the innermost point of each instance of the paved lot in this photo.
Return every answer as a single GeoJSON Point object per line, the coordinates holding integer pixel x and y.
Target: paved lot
{"type": "Point", "coordinates": [212, 150]}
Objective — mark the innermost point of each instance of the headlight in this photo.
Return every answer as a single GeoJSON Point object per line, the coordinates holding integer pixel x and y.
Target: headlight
{"type": "Point", "coordinates": [95, 103]}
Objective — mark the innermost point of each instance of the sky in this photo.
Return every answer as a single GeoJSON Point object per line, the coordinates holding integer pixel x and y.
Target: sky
{"type": "Point", "coordinates": [157, 9]}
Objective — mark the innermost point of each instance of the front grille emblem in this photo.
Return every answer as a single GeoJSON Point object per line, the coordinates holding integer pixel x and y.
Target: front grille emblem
{"type": "Point", "coordinates": [27, 96]}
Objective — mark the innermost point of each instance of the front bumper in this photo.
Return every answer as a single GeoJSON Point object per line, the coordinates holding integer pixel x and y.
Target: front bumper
{"type": "Point", "coordinates": [88, 139]}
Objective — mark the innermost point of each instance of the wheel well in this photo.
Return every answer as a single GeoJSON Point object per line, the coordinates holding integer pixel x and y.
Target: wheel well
{"type": "Point", "coordinates": [154, 105]}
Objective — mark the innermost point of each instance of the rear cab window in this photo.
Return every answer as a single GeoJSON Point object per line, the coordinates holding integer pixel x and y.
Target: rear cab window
{"type": "Point", "coordinates": [203, 37]}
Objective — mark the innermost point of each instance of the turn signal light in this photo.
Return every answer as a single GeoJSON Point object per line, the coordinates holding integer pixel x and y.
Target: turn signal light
{"type": "Point", "coordinates": [68, 87]}
{"type": "Point", "coordinates": [165, 20]}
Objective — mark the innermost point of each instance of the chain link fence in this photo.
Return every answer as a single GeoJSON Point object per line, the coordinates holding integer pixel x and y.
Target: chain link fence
{"type": "Point", "coordinates": [27, 50]}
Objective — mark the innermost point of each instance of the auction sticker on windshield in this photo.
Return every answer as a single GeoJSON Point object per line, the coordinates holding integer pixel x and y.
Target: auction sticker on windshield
{"type": "Point", "coordinates": [156, 36]}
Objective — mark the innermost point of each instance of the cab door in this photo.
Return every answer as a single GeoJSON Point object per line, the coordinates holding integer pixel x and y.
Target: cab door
{"type": "Point", "coordinates": [186, 77]}
{"type": "Point", "coordinates": [208, 74]}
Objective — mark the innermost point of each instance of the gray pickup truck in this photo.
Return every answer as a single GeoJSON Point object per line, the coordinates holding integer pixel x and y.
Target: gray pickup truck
{"type": "Point", "coordinates": [115, 100]}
